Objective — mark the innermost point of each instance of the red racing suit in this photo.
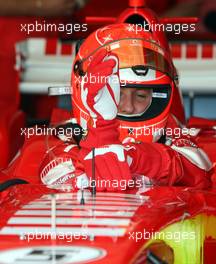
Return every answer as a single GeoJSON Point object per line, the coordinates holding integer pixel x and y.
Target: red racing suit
{"type": "Point", "coordinates": [99, 157]}
{"type": "Point", "coordinates": [50, 160]}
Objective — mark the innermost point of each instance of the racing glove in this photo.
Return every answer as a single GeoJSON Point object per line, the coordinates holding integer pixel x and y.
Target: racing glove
{"type": "Point", "coordinates": [109, 166]}
{"type": "Point", "coordinates": [100, 88]}
{"type": "Point", "coordinates": [59, 168]}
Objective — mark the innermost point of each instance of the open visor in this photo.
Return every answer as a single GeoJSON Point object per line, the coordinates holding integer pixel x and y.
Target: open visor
{"type": "Point", "coordinates": [136, 52]}
{"type": "Point", "coordinates": [157, 99]}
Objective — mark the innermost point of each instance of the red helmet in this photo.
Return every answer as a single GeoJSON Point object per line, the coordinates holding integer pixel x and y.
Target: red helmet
{"type": "Point", "coordinates": [143, 63]}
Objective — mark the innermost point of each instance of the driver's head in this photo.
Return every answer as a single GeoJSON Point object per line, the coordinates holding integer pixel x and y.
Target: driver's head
{"type": "Point", "coordinates": [146, 76]}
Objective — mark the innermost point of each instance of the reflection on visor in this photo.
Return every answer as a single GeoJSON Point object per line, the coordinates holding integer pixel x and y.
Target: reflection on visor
{"type": "Point", "coordinates": [133, 52]}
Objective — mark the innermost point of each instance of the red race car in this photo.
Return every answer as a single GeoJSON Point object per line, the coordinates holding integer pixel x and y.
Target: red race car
{"type": "Point", "coordinates": [50, 210]}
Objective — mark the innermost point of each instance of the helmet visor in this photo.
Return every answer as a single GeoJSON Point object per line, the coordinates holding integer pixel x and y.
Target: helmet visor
{"type": "Point", "coordinates": [136, 52]}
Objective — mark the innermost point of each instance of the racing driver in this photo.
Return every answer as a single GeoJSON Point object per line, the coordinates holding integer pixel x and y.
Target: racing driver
{"type": "Point", "coordinates": [123, 85]}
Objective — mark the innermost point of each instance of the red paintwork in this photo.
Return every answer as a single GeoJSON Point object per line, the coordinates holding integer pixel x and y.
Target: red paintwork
{"type": "Point", "coordinates": [11, 122]}
{"type": "Point", "coordinates": [157, 211]}
{"type": "Point", "coordinates": [165, 205]}
{"type": "Point", "coordinates": [11, 118]}
{"type": "Point", "coordinates": [206, 138]}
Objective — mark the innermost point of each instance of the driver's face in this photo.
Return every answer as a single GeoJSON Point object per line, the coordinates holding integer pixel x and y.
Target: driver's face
{"type": "Point", "coordinates": [134, 100]}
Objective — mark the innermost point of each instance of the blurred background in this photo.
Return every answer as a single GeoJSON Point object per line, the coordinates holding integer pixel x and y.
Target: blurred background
{"type": "Point", "coordinates": [30, 62]}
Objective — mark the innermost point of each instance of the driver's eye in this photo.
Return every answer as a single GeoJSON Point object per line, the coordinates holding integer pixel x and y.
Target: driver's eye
{"type": "Point", "coordinates": [141, 95]}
